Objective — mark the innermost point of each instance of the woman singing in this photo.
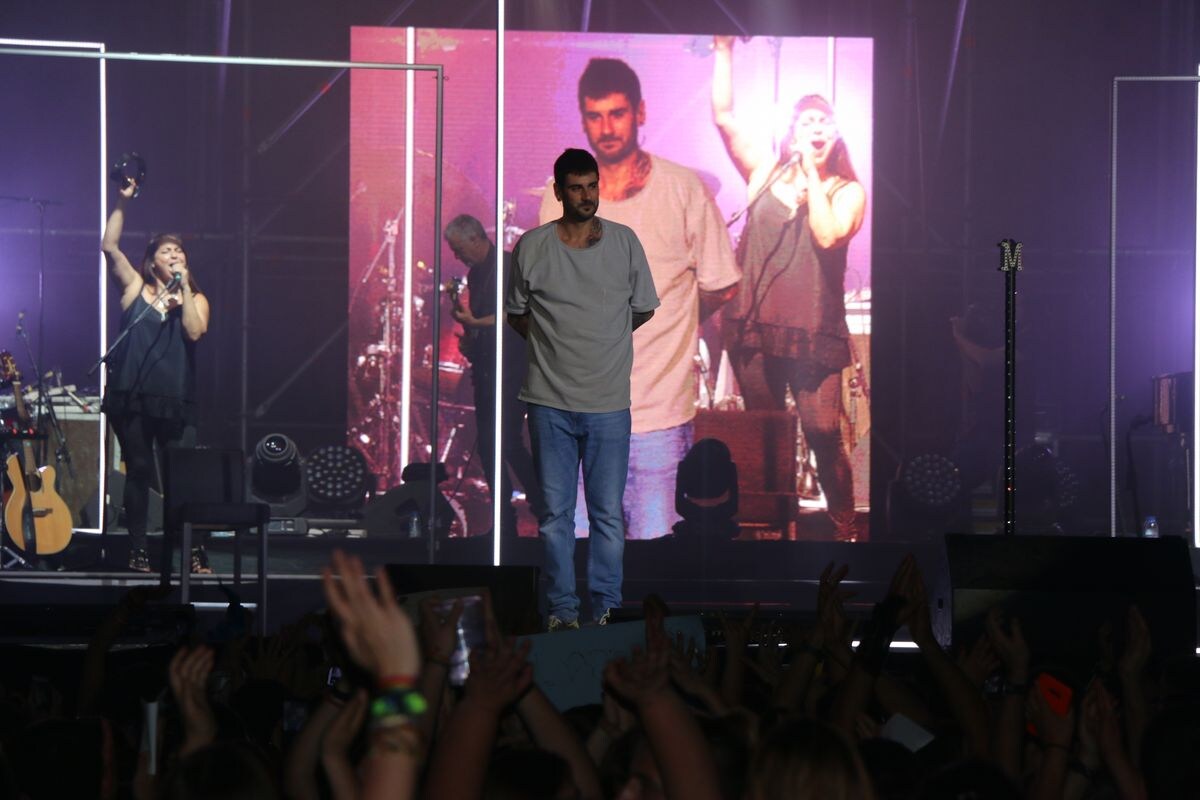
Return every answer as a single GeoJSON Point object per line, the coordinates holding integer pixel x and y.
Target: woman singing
{"type": "Point", "coordinates": [787, 327]}
{"type": "Point", "coordinates": [151, 396]}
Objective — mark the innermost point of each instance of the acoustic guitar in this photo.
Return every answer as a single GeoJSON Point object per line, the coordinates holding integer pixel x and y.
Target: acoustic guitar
{"type": "Point", "coordinates": [36, 518]}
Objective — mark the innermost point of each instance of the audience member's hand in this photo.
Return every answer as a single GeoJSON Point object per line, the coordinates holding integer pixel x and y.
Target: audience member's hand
{"type": "Point", "coordinates": [655, 613]}
{"type": "Point", "coordinates": [1053, 729]}
{"type": "Point", "coordinates": [737, 631]}
{"type": "Point", "coordinates": [908, 584]}
{"type": "Point", "coordinates": [499, 675]}
{"type": "Point", "coordinates": [272, 660]}
{"type": "Point", "coordinates": [188, 674]}
{"type": "Point", "coordinates": [1136, 653]}
{"type": "Point", "coordinates": [1088, 725]}
{"type": "Point", "coordinates": [379, 636]}
{"type": "Point", "coordinates": [615, 718]}
{"type": "Point", "coordinates": [1101, 724]}
{"type": "Point", "coordinates": [866, 727]}
{"type": "Point", "coordinates": [642, 678]}
{"type": "Point", "coordinates": [978, 661]}
{"type": "Point", "coordinates": [1009, 645]}
{"type": "Point", "coordinates": [768, 655]}
{"type": "Point", "coordinates": [687, 666]}
{"type": "Point", "coordinates": [832, 626]}
{"type": "Point", "coordinates": [439, 630]}
{"type": "Point", "coordinates": [345, 726]}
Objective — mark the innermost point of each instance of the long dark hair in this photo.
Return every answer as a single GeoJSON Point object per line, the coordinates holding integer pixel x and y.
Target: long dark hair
{"type": "Point", "coordinates": [157, 241]}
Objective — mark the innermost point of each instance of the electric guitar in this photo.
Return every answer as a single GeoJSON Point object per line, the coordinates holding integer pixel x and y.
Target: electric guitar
{"type": "Point", "coordinates": [456, 290]}
{"type": "Point", "coordinates": [36, 518]}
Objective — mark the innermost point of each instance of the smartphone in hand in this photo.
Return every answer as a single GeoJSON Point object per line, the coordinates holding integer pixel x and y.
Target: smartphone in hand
{"type": "Point", "coordinates": [470, 635]}
{"type": "Point", "coordinates": [1057, 695]}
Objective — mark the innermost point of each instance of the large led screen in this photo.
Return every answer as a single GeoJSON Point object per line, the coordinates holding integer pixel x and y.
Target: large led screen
{"type": "Point", "coordinates": [763, 338]}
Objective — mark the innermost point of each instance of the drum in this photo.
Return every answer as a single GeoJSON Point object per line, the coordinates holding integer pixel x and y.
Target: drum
{"type": "Point", "coordinates": [369, 368]}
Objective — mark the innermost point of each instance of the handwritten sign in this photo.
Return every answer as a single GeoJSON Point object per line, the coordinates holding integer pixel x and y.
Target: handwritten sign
{"type": "Point", "coordinates": [569, 665]}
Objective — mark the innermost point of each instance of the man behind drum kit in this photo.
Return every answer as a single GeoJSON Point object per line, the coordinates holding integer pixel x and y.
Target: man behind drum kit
{"type": "Point", "coordinates": [477, 314]}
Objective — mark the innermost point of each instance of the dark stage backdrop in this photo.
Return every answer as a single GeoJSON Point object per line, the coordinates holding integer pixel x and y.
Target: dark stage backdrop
{"type": "Point", "coordinates": [995, 130]}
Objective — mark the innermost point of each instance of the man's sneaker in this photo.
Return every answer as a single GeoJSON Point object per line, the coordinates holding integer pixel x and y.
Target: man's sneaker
{"type": "Point", "coordinates": [605, 618]}
{"type": "Point", "coordinates": [556, 624]}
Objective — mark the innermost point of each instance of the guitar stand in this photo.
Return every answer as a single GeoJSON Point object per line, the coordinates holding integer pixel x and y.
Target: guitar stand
{"type": "Point", "coordinates": [15, 559]}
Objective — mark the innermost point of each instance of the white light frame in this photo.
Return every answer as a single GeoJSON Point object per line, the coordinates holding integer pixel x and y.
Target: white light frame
{"type": "Point", "coordinates": [102, 449]}
{"type": "Point", "coordinates": [60, 49]}
{"type": "Point", "coordinates": [497, 453]}
{"type": "Point", "coordinates": [1112, 309]}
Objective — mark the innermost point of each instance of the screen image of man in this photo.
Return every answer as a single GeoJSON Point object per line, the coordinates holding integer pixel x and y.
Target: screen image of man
{"type": "Point", "coordinates": [580, 286]}
{"type": "Point", "coordinates": [687, 245]}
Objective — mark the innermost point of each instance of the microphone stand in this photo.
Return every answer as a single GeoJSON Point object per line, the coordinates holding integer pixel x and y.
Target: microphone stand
{"type": "Point", "coordinates": [172, 286]}
{"type": "Point", "coordinates": [40, 204]}
{"type": "Point", "coordinates": [62, 454]}
{"type": "Point", "coordinates": [780, 170]}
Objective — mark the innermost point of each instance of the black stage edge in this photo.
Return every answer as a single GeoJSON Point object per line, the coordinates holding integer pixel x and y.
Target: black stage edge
{"type": "Point", "coordinates": [692, 575]}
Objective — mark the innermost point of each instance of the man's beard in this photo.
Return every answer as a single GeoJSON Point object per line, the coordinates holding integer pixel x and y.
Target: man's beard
{"type": "Point", "coordinates": [583, 216]}
{"type": "Point", "coordinates": [625, 152]}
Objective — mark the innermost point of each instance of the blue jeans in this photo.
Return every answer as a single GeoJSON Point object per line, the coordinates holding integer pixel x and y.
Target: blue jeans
{"type": "Point", "coordinates": [562, 442]}
{"type": "Point", "coordinates": [649, 503]}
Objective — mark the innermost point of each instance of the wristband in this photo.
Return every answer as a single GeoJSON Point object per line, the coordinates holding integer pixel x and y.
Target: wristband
{"type": "Point", "coordinates": [389, 682]}
{"type": "Point", "coordinates": [390, 708]}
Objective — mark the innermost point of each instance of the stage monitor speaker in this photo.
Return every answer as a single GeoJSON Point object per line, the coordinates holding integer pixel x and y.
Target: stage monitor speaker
{"type": "Point", "coordinates": [514, 589]}
{"type": "Point", "coordinates": [201, 475]}
{"type": "Point", "coordinates": [1063, 589]}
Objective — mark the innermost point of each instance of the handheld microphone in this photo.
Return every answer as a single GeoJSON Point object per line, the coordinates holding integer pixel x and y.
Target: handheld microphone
{"type": "Point", "coordinates": [176, 279]}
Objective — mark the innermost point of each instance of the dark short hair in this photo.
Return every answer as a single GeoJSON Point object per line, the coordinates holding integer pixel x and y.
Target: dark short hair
{"type": "Point", "coordinates": [574, 161]}
{"type": "Point", "coordinates": [156, 241]}
{"type": "Point", "coordinates": [605, 76]}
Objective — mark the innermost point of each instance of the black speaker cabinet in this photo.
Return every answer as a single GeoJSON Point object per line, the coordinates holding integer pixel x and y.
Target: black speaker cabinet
{"type": "Point", "coordinates": [1063, 589]}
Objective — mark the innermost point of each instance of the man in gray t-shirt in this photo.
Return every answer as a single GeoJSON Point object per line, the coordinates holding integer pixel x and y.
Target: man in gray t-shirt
{"type": "Point", "coordinates": [580, 287]}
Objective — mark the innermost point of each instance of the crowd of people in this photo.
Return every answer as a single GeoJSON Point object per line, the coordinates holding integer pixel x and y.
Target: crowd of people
{"type": "Point", "coordinates": [760, 711]}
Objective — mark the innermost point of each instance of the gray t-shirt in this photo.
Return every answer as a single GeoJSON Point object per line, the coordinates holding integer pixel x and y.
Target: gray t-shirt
{"type": "Point", "coordinates": [581, 302]}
